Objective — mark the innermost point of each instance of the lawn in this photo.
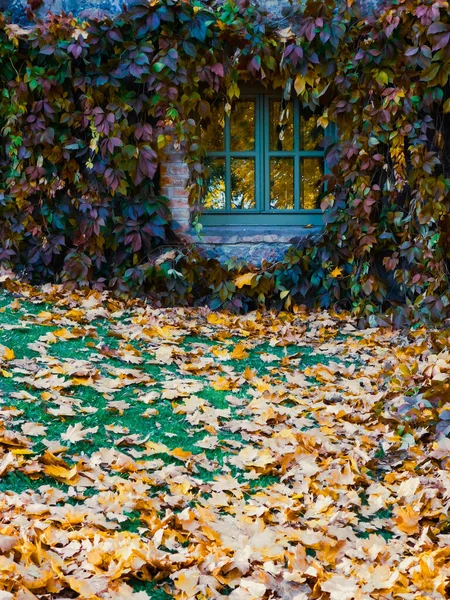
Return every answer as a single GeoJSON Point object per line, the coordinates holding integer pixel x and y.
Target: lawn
{"type": "Point", "coordinates": [184, 453]}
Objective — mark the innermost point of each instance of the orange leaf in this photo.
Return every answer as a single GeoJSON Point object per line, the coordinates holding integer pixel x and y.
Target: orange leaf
{"type": "Point", "coordinates": [407, 519]}
{"type": "Point", "coordinates": [239, 352]}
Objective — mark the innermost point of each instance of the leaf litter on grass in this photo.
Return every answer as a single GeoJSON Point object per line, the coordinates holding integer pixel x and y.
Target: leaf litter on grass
{"type": "Point", "coordinates": [149, 453]}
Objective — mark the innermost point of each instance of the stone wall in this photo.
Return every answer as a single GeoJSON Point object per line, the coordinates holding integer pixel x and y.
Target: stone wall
{"type": "Point", "coordinates": [97, 7]}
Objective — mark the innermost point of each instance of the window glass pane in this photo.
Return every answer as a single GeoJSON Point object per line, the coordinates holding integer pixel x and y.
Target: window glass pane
{"type": "Point", "coordinates": [214, 197]}
{"type": "Point", "coordinates": [311, 175]}
{"type": "Point", "coordinates": [242, 121]}
{"type": "Point", "coordinates": [281, 126]}
{"type": "Point", "coordinates": [282, 183]}
{"type": "Point", "coordinates": [213, 134]}
{"type": "Point", "coordinates": [243, 183]}
{"type": "Point", "coordinates": [311, 133]}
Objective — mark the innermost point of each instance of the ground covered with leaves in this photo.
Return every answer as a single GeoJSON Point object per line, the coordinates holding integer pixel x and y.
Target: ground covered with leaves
{"type": "Point", "coordinates": [182, 453]}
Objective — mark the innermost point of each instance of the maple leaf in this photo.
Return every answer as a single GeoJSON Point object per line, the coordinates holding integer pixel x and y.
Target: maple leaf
{"type": "Point", "coordinates": [187, 581]}
{"type": "Point", "coordinates": [336, 272]}
{"type": "Point", "coordinates": [33, 429]}
{"type": "Point", "coordinates": [76, 433]}
{"type": "Point", "coordinates": [62, 473]}
{"type": "Point", "coordinates": [407, 519]}
{"type": "Point", "coordinates": [239, 352]}
{"type": "Point", "coordinates": [221, 384]}
{"type": "Point", "coordinates": [7, 543]}
{"type": "Point", "coordinates": [88, 587]}
{"type": "Point", "coordinates": [6, 462]}
{"type": "Point", "coordinates": [340, 587]}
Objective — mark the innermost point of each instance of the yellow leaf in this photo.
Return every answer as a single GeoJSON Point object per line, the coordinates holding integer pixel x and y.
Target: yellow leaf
{"type": "Point", "coordinates": [214, 319]}
{"type": "Point", "coordinates": [299, 84]}
{"type": "Point", "coordinates": [323, 122]}
{"type": "Point", "coordinates": [239, 352]}
{"type": "Point", "coordinates": [9, 354]}
{"type": "Point", "coordinates": [44, 315]}
{"type": "Point", "coordinates": [180, 453]}
{"type": "Point", "coordinates": [407, 520]}
{"type": "Point", "coordinates": [336, 272]}
{"type": "Point", "coordinates": [221, 384]}
{"type": "Point", "coordinates": [245, 279]}
{"type": "Point", "coordinates": [156, 448]}
{"type": "Point", "coordinates": [63, 333]}
{"type": "Point", "coordinates": [61, 473]}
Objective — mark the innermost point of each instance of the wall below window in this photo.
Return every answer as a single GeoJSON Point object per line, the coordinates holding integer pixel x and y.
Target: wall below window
{"type": "Point", "coordinates": [252, 244]}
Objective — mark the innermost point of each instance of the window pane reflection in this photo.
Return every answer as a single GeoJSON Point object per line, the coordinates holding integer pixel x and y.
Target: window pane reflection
{"type": "Point", "coordinates": [243, 183]}
{"type": "Point", "coordinates": [281, 126]}
{"type": "Point", "coordinates": [311, 175]}
{"type": "Point", "coordinates": [242, 121]}
{"type": "Point", "coordinates": [311, 134]}
{"type": "Point", "coordinates": [282, 183]}
{"type": "Point", "coordinates": [213, 134]}
{"type": "Point", "coordinates": [214, 198]}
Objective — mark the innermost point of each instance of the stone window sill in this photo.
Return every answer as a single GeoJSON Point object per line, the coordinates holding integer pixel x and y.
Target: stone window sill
{"type": "Point", "coordinates": [244, 234]}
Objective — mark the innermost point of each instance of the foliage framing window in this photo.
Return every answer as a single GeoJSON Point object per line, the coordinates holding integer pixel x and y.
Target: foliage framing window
{"type": "Point", "coordinates": [264, 165]}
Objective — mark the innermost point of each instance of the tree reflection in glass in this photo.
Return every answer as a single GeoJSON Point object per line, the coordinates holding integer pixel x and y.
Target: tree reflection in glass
{"type": "Point", "coordinates": [282, 183]}
{"type": "Point", "coordinates": [311, 175]}
{"type": "Point", "coordinates": [281, 126]}
{"type": "Point", "coordinates": [242, 121]}
{"type": "Point", "coordinates": [213, 134]}
{"type": "Point", "coordinates": [214, 197]}
{"type": "Point", "coordinates": [311, 134]}
{"type": "Point", "coordinates": [243, 183]}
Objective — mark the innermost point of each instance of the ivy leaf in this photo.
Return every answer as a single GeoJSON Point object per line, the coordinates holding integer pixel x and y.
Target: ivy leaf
{"type": "Point", "coordinates": [431, 73]}
{"type": "Point", "coordinates": [245, 279]}
{"type": "Point", "coordinates": [299, 84]}
{"type": "Point", "coordinates": [47, 49]}
{"type": "Point", "coordinates": [153, 21]}
{"type": "Point", "coordinates": [197, 29]}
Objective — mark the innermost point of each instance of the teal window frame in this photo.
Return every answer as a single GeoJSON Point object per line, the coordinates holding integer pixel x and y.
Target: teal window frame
{"type": "Point", "coordinates": [262, 154]}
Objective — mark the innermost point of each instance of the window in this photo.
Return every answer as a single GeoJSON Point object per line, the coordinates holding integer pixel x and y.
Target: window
{"type": "Point", "coordinates": [265, 165]}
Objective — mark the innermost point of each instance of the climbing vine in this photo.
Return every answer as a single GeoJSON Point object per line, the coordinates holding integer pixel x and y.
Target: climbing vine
{"type": "Point", "coordinates": [88, 109]}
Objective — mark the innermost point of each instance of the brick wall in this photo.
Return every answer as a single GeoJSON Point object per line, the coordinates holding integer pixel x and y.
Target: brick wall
{"type": "Point", "coordinates": [173, 184]}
